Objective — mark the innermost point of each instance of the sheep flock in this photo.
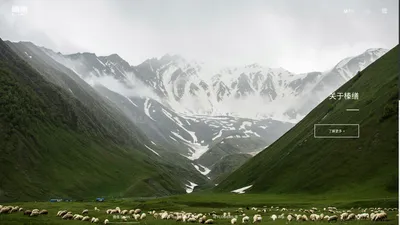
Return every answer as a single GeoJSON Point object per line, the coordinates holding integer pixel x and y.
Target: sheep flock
{"type": "Point", "coordinates": [233, 216]}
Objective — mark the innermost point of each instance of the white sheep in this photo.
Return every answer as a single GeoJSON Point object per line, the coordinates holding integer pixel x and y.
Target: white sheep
{"type": "Point", "coordinates": [192, 220]}
{"type": "Point", "coordinates": [343, 216]}
{"type": "Point", "coordinates": [143, 216]}
{"type": "Point", "coordinates": [233, 221]}
{"type": "Point", "coordinates": [5, 209]}
{"type": "Point", "coordinates": [313, 217]}
{"type": "Point", "coordinates": [124, 218]}
{"type": "Point", "coordinates": [351, 216]}
{"type": "Point", "coordinates": [332, 218]}
{"type": "Point", "coordinates": [209, 221]}
{"type": "Point", "coordinates": [34, 213]}
{"type": "Point", "coordinates": [289, 218]}
{"type": "Point", "coordinates": [77, 217]}
{"type": "Point", "coordinates": [362, 216]}
{"type": "Point", "coordinates": [136, 216]}
{"type": "Point", "coordinates": [43, 212]}
{"type": "Point", "coordinates": [257, 218]}
{"type": "Point", "coordinates": [304, 218]}
{"type": "Point", "coordinates": [96, 209]}
{"type": "Point", "coordinates": [380, 216]}
{"type": "Point", "coordinates": [67, 216]}
{"type": "Point", "coordinates": [106, 221]}
{"type": "Point", "coordinates": [273, 217]}
{"type": "Point", "coordinates": [137, 211]}
{"type": "Point", "coordinates": [245, 219]}
{"type": "Point", "coordinates": [85, 211]}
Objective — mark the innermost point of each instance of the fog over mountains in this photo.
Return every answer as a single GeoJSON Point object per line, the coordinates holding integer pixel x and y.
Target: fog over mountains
{"type": "Point", "coordinates": [190, 88]}
{"type": "Point", "coordinates": [190, 109]}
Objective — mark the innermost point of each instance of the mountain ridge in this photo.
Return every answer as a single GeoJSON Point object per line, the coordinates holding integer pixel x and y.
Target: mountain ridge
{"type": "Point", "coordinates": [178, 82]}
{"type": "Point", "coordinates": [298, 163]}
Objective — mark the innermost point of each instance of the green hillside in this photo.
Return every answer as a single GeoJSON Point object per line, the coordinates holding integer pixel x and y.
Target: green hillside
{"type": "Point", "coordinates": [228, 147]}
{"type": "Point", "coordinates": [226, 165]}
{"type": "Point", "coordinates": [54, 145]}
{"type": "Point", "coordinates": [298, 163]}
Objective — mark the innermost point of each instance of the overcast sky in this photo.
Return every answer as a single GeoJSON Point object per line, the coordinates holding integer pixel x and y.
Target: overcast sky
{"type": "Point", "coordinates": [298, 35]}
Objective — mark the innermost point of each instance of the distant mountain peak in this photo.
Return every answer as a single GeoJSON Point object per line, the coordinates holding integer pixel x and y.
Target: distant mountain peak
{"type": "Point", "coordinates": [173, 57]}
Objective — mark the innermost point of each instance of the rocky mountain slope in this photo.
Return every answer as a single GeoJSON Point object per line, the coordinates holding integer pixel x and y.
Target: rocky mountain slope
{"type": "Point", "coordinates": [299, 163]}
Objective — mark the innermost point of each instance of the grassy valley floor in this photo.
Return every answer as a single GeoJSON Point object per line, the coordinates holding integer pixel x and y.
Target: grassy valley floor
{"type": "Point", "coordinates": [206, 203]}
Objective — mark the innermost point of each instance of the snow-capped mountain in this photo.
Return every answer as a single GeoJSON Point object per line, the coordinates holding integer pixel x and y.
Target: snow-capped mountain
{"type": "Point", "coordinates": [251, 91]}
{"type": "Point", "coordinates": [188, 107]}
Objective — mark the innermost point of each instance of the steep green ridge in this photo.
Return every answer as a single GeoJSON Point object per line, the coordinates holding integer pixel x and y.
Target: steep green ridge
{"type": "Point", "coordinates": [226, 165]}
{"type": "Point", "coordinates": [298, 163]}
{"type": "Point", "coordinates": [228, 147]}
{"type": "Point", "coordinates": [105, 110]}
{"type": "Point", "coordinates": [53, 145]}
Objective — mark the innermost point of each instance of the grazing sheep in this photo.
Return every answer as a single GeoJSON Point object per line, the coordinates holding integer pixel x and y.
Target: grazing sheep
{"type": "Point", "coordinates": [362, 216]}
{"type": "Point", "coordinates": [289, 218]}
{"type": "Point", "coordinates": [380, 217]}
{"type": "Point", "coordinates": [67, 216]}
{"type": "Point", "coordinates": [344, 216]}
{"type": "Point", "coordinates": [245, 219]}
{"type": "Point", "coordinates": [136, 216]}
{"type": "Point", "coordinates": [313, 217]}
{"type": "Point", "coordinates": [351, 216]}
{"type": "Point", "coordinates": [13, 209]}
{"type": "Point", "coordinates": [62, 213]}
{"type": "Point", "coordinates": [332, 218]}
{"type": "Point", "coordinates": [164, 215]}
{"type": "Point", "coordinates": [34, 213]}
{"type": "Point", "coordinates": [43, 212]}
{"type": "Point", "coordinates": [372, 216]}
{"type": "Point", "coordinates": [77, 217]}
{"type": "Point", "coordinates": [209, 221]}
{"type": "Point", "coordinates": [124, 212]}
{"type": "Point", "coordinates": [27, 212]}
{"type": "Point", "coordinates": [303, 218]}
{"type": "Point", "coordinates": [124, 218]}
{"type": "Point", "coordinates": [233, 221]}
{"type": "Point", "coordinates": [143, 216]}
{"type": "Point", "coordinates": [192, 220]}
{"type": "Point", "coordinates": [106, 221]}
{"type": "Point", "coordinates": [86, 218]}
{"type": "Point", "coordinates": [257, 218]}
{"type": "Point", "coordinates": [96, 209]}
{"type": "Point", "coordinates": [137, 211]}
{"type": "Point", "coordinates": [5, 209]}
{"type": "Point", "coordinates": [85, 211]}
{"type": "Point", "coordinates": [273, 217]}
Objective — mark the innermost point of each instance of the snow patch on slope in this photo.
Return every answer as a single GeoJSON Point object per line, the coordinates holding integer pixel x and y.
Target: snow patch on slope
{"type": "Point", "coordinates": [147, 106]}
{"type": "Point", "coordinates": [190, 187]}
{"type": "Point", "coordinates": [241, 190]}
{"type": "Point", "coordinates": [152, 150]}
